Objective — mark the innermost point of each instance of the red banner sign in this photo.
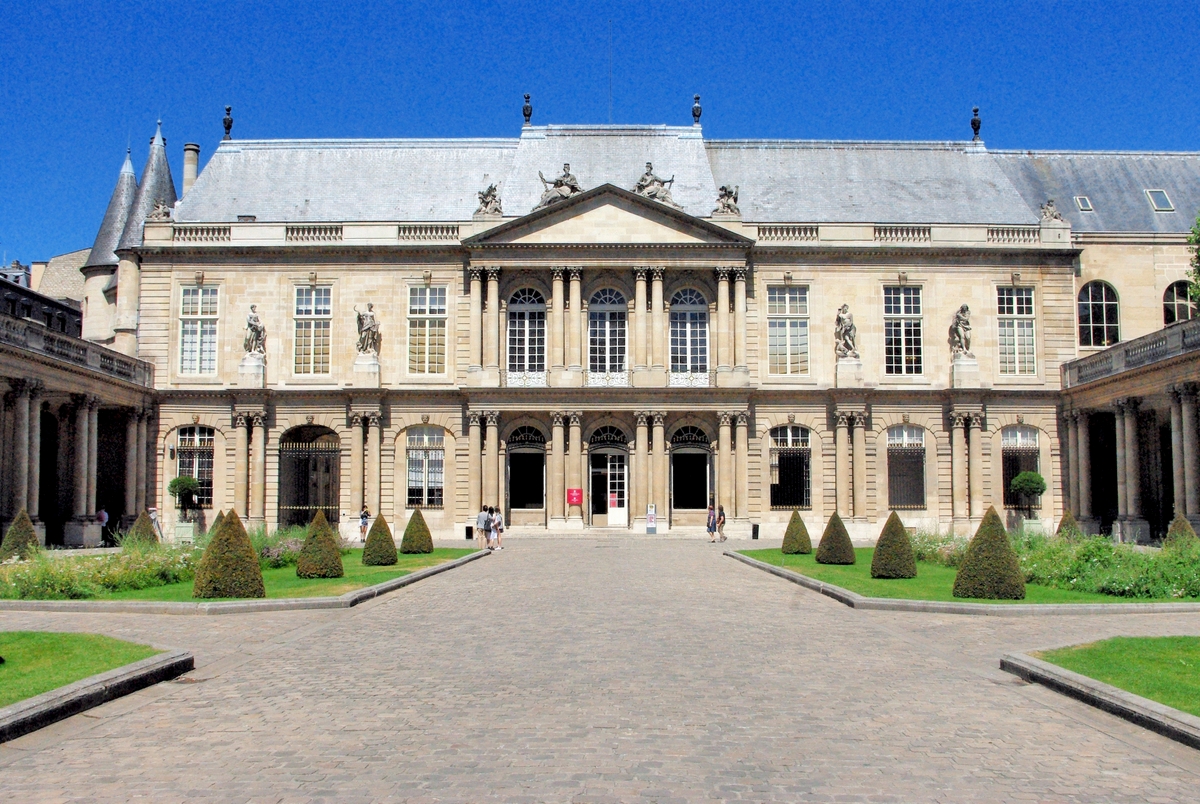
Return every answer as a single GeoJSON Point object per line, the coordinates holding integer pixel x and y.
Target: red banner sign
{"type": "Point", "coordinates": [574, 496]}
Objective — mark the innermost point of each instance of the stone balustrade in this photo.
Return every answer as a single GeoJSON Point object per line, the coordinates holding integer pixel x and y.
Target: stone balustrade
{"type": "Point", "coordinates": [34, 337]}
{"type": "Point", "coordinates": [1175, 340]}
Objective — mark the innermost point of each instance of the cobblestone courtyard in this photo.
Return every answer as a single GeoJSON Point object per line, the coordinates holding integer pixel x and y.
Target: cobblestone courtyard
{"type": "Point", "coordinates": [598, 671]}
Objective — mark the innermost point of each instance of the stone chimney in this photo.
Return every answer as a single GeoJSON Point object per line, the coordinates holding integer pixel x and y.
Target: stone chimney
{"type": "Point", "coordinates": [191, 161]}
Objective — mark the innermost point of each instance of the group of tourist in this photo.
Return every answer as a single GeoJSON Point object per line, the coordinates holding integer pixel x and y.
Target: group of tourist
{"type": "Point", "coordinates": [716, 524]}
{"type": "Point", "coordinates": [489, 528]}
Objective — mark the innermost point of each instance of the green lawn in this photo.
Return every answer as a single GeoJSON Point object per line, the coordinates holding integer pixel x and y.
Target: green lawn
{"type": "Point", "coordinates": [1163, 669]}
{"type": "Point", "coordinates": [933, 581]}
{"type": "Point", "coordinates": [38, 661]}
{"type": "Point", "coordinates": [283, 582]}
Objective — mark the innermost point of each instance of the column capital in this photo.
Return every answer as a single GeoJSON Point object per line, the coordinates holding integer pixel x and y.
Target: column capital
{"type": "Point", "coordinates": [473, 418]}
{"type": "Point", "coordinates": [557, 273]}
{"type": "Point", "coordinates": [556, 418]}
{"type": "Point", "coordinates": [640, 273]}
{"type": "Point", "coordinates": [36, 387]}
{"type": "Point", "coordinates": [374, 419]}
{"type": "Point", "coordinates": [743, 417]}
{"type": "Point", "coordinates": [574, 417]}
{"type": "Point", "coordinates": [237, 418]}
{"type": "Point", "coordinates": [259, 418]}
{"type": "Point", "coordinates": [575, 274]}
{"type": "Point", "coordinates": [1129, 404]}
{"type": "Point", "coordinates": [493, 273]}
{"type": "Point", "coordinates": [492, 416]}
{"type": "Point", "coordinates": [842, 418]}
{"type": "Point", "coordinates": [19, 386]}
{"type": "Point", "coordinates": [726, 419]}
{"type": "Point", "coordinates": [975, 420]}
{"type": "Point", "coordinates": [356, 419]}
{"type": "Point", "coordinates": [640, 418]}
{"type": "Point", "coordinates": [656, 274]}
{"type": "Point", "coordinates": [1188, 388]}
{"type": "Point", "coordinates": [93, 403]}
{"type": "Point", "coordinates": [958, 419]}
{"type": "Point", "coordinates": [739, 274]}
{"type": "Point", "coordinates": [659, 418]}
{"type": "Point", "coordinates": [475, 273]}
{"type": "Point", "coordinates": [722, 274]}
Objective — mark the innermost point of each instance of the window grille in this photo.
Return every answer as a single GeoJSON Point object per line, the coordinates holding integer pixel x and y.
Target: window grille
{"type": "Point", "coordinates": [607, 435]}
{"type": "Point", "coordinates": [902, 344]}
{"type": "Point", "coordinates": [689, 333]}
{"type": "Point", "coordinates": [1099, 315]}
{"type": "Point", "coordinates": [1015, 318]}
{"type": "Point", "coordinates": [606, 332]}
{"type": "Point", "coordinates": [791, 468]}
{"type": "Point", "coordinates": [1019, 453]}
{"type": "Point", "coordinates": [198, 331]}
{"type": "Point", "coordinates": [314, 312]}
{"type": "Point", "coordinates": [194, 453]}
{"type": "Point", "coordinates": [690, 435]}
{"type": "Point", "coordinates": [526, 436]}
{"type": "Point", "coordinates": [427, 330]}
{"type": "Point", "coordinates": [1177, 304]}
{"type": "Point", "coordinates": [906, 467]}
{"type": "Point", "coordinates": [787, 329]}
{"type": "Point", "coordinates": [426, 467]}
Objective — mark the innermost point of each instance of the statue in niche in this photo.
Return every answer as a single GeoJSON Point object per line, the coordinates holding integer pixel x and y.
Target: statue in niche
{"type": "Point", "coordinates": [727, 201]}
{"type": "Point", "coordinates": [1050, 211]}
{"type": "Point", "coordinates": [256, 333]}
{"type": "Point", "coordinates": [368, 331]}
{"type": "Point", "coordinates": [560, 189]}
{"type": "Point", "coordinates": [489, 201]}
{"type": "Point", "coordinates": [845, 334]}
{"type": "Point", "coordinates": [960, 333]}
{"type": "Point", "coordinates": [654, 188]}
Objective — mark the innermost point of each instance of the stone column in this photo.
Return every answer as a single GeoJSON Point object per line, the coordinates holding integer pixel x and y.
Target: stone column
{"type": "Point", "coordinates": [575, 322]}
{"type": "Point", "coordinates": [491, 458]}
{"type": "Point", "coordinates": [859, 446]}
{"type": "Point", "coordinates": [841, 461]}
{"type": "Point", "coordinates": [82, 441]}
{"type": "Point", "coordinates": [725, 463]}
{"type": "Point", "coordinates": [658, 321]}
{"type": "Point", "coordinates": [659, 469]}
{"type": "Point", "coordinates": [374, 455]}
{"type": "Point", "coordinates": [975, 464]}
{"type": "Point", "coordinates": [642, 467]}
{"type": "Point", "coordinates": [639, 322]}
{"type": "Point", "coordinates": [20, 453]}
{"type": "Point", "coordinates": [742, 468]}
{"type": "Point", "coordinates": [34, 489]}
{"type": "Point", "coordinates": [258, 484]}
{"type": "Point", "coordinates": [93, 452]}
{"type": "Point", "coordinates": [958, 466]}
{"type": "Point", "coordinates": [1133, 461]}
{"type": "Point", "coordinates": [720, 337]}
{"type": "Point", "coordinates": [475, 359]}
{"type": "Point", "coordinates": [501, 478]}
{"type": "Point", "coordinates": [1122, 468]}
{"type": "Point", "coordinates": [142, 457]}
{"type": "Point", "coordinates": [491, 322]}
{"type": "Point", "coordinates": [356, 463]}
{"type": "Point", "coordinates": [1191, 453]}
{"type": "Point", "coordinates": [739, 319]}
{"type": "Point", "coordinates": [474, 465]}
{"type": "Point", "coordinates": [241, 465]}
{"type": "Point", "coordinates": [1084, 450]}
{"type": "Point", "coordinates": [1070, 449]}
{"type": "Point", "coordinates": [554, 332]}
{"type": "Point", "coordinates": [556, 489]}
{"type": "Point", "coordinates": [131, 463]}
{"type": "Point", "coordinates": [575, 464]}
{"type": "Point", "coordinates": [1177, 473]}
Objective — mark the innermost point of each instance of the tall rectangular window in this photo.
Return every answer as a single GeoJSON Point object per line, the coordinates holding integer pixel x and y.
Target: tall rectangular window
{"type": "Point", "coordinates": [426, 462]}
{"type": "Point", "coordinates": [902, 348]}
{"type": "Point", "coordinates": [787, 329]}
{"type": "Point", "coordinates": [314, 312]}
{"type": "Point", "coordinates": [195, 456]}
{"type": "Point", "coordinates": [427, 330]}
{"type": "Point", "coordinates": [198, 331]}
{"type": "Point", "coordinates": [1014, 307]}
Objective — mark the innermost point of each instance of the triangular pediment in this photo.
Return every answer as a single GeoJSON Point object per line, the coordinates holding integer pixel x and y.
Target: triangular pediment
{"type": "Point", "coordinates": [607, 215]}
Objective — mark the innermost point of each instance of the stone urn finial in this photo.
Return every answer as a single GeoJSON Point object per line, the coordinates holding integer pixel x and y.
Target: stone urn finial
{"type": "Point", "coordinates": [975, 123]}
{"type": "Point", "coordinates": [228, 121]}
{"type": "Point", "coordinates": [527, 109]}
{"type": "Point", "coordinates": [696, 110]}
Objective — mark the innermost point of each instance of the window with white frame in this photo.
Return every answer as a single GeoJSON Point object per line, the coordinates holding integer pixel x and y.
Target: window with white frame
{"type": "Point", "coordinates": [902, 345]}
{"type": "Point", "coordinates": [1099, 315]}
{"type": "Point", "coordinates": [787, 329]}
{"type": "Point", "coordinates": [1014, 307]}
{"type": "Point", "coordinates": [314, 313]}
{"type": "Point", "coordinates": [426, 467]}
{"type": "Point", "coordinates": [607, 311]}
{"type": "Point", "coordinates": [194, 456]}
{"type": "Point", "coordinates": [689, 333]}
{"type": "Point", "coordinates": [527, 335]}
{"type": "Point", "coordinates": [427, 330]}
{"type": "Point", "coordinates": [1177, 303]}
{"type": "Point", "coordinates": [198, 331]}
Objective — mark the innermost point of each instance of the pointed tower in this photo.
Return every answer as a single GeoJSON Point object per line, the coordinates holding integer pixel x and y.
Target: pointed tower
{"type": "Point", "coordinates": [101, 265]}
{"type": "Point", "coordinates": [156, 190]}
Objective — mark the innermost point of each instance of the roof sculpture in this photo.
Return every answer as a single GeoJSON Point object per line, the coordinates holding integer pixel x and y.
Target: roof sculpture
{"type": "Point", "coordinates": [156, 188]}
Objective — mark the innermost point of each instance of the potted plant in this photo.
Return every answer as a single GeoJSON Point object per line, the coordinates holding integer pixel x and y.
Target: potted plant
{"type": "Point", "coordinates": [1028, 488]}
{"type": "Point", "coordinates": [184, 490]}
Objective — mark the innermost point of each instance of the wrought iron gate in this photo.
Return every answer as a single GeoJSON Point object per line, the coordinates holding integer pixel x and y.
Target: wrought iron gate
{"type": "Point", "coordinates": [308, 481]}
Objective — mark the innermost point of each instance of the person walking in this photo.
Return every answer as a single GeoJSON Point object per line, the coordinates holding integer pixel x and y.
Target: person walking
{"type": "Point", "coordinates": [498, 527]}
{"type": "Point", "coordinates": [491, 528]}
{"type": "Point", "coordinates": [711, 523]}
{"type": "Point", "coordinates": [482, 524]}
{"type": "Point", "coordinates": [721, 522]}
{"type": "Point", "coordinates": [364, 518]}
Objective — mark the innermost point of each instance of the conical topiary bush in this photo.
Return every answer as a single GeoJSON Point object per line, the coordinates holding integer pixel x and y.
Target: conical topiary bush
{"type": "Point", "coordinates": [795, 538]}
{"type": "Point", "coordinates": [142, 532]}
{"type": "Point", "coordinates": [20, 538]}
{"type": "Point", "coordinates": [835, 546]}
{"type": "Point", "coordinates": [321, 556]}
{"type": "Point", "coordinates": [380, 549]}
{"type": "Point", "coordinates": [1068, 526]}
{"type": "Point", "coordinates": [893, 552]}
{"type": "Point", "coordinates": [229, 566]}
{"type": "Point", "coordinates": [990, 569]}
{"type": "Point", "coordinates": [216, 524]}
{"type": "Point", "coordinates": [416, 535]}
{"type": "Point", "coordinates": [1179, 534]}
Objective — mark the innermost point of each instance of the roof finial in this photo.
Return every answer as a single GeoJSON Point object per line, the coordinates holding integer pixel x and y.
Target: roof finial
{"type": "Point", "coordinates": [696, 110]}
{"type": "Point", "coordinates": [228, 121]}
{"type": "Point", "coordinates": [527, 109]}
{"type": "Point", "coordinates": [975, 123]}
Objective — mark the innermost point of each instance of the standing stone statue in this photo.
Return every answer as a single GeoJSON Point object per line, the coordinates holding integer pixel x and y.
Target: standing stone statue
{"type": "Point", "coordinates": [845, 334]}
{"type": "Point", "coordinates": [727, 201]}
{"type": "Point", "coordinates": [368, 331]}
{"type": "Point", "coordinates": [960, 333]}
{"type": "Point", "coordinates": [560, 189]}
{"type": "Point", "coordinates": [654, 188]}
{"type": "Point", "coordinates": [256, 333]}
{"type": "Point", "coordinates": [489, 201]}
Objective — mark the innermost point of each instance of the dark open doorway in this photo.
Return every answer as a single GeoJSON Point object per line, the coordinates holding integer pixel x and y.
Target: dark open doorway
{"type": "Point", "coordinates": [526, 480]}
{"type": "Point", "coordinates": [689, 480]}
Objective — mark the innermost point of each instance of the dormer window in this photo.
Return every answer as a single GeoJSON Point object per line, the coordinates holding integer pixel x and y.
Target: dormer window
{"type": "Point", "coordinates": [1160, 201]}
{"type": "Point", "coordinates": [1084, 203]}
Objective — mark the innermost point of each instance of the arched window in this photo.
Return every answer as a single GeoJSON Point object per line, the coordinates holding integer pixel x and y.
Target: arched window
{"type": "Point", "coordinates": [1177, 305]}
{"type": "Point", "coordinates": [690, 436]}
{"type": "Point", "coordinates": [689, 338]}
{"type": "Point", "coordinates": [526, 436]}
{"type": "Point", "coordinates": [1099, 323]}
{"type": "Point", "coordinates": [309, 474]}
{"type": "Point", "coordinates": [791, 468]}
{"type": "Point", "coordinates": [606, 338]}
{"type": "Point", "coordinates": [906, 467]}
{"type": "Point", "coordinates": [1019, 453]}
{"type": "Point", "coordinates": [426, 467]}
{"type": "Point", "coordinates": [194, 452]}
{"type": "Point", "coordinates": [607, 436]}
{"type": "Point", "coordinates": [526, 338]}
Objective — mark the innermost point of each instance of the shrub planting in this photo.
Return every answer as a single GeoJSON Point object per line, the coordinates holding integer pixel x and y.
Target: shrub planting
{"type": "Point", "coordinates": [1180, 534]}
{"type": "Point", "coordinates": [216, 524]}
{"type": "Point", "coordinates": [20, 539]}
{"type": "Point", "coordinates": [990, 569]}
{"type": "Point", "coordinates": [795, 538]}
{"type": "Point", "coordinates": [321, 556]}
{"type": "Point", "coordinates": [1068, 527]}
{"type": "Point", "coordinates": [835, 546]}
{"type": "Point", "coordinates": [380, 549]}
{"type": "Point", "coordinates": [142, 532]}
{"type": "Point", "coordinates": [893, 553]}
{"type": "Point", "coordinates": [416, 535]}
{"type": "Point", "coordinates": [229, 566]}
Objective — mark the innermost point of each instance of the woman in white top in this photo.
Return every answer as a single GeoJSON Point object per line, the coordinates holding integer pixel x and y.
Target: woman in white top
{"type": "Point", "coordinates": [498, 529]}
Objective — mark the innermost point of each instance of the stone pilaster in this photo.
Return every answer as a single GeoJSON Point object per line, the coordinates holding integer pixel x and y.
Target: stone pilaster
{"type": "Point", "coordinates": [258, 478]}
{"type": "Point", "coordinates": [858, 443]}
{"type": "Point", "coordinates": [958, 468]}
{"type": "Point", "coordinates": [576, 322]}
{"type": "Point", "coordinates": [356, 463]}
{"type": "Point", "coordinates": [742, 467]}
{"type": "Point", "coordinates": [475, 358]}
{"type": "Point", "coordinates": [842, 461]}
{"type": "Point", "coordinates": [474, 465]}
{"type": "Point", "coordinates": [241, 465]}
{"type": "Point", "coordinates": [575, 467]}
{"type": "Point", "coordinates": [555, 310]}
{"type": "Point", "coordinates": [721, 335]}
{"type": "Point", "coordinates": [975, 465]}
{"type": "Point", "coordinates": [556, 492]}
{"type": "Point", "coordinates": [34, 489]}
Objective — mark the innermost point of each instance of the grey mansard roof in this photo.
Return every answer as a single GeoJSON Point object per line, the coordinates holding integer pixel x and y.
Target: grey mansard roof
{"type": "Point", "coordinates": [780, 180]}
{"type": "Point", "coordinates": [103, 252]}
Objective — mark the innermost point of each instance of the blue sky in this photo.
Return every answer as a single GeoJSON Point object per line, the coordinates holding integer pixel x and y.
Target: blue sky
{"type": "Point", "coordinates": [80, 80]}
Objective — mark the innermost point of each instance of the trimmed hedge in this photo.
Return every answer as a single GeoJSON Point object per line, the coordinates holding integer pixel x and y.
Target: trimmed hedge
{"type": "Point", "coordinates": [990, 569]}
{"type": "Point", "coordinates": [142, 532]}
{"type": "Point", "coordinates": [835, 546]}
{"type": "Point", "coordinates": [216, 523]}
{"type": "Point", "coordinates": [1068, 526]}
{"type": "Point", "coordinates": [1180, 534]}
{"type": "Point", "coordinates": [321, 556]}
{"type": "Point", "coordinates": [893, 552]}
{"type": "Point", "coordinates": [21, 538]}
{"type": "Point", "coordinates": [380, 549]}
{"type": "Point", "coordinates": [416, 535]}
{"type": "Point", "coordinates": [795, 538]}
{"type": "Point", "coordinates": [229, 566]}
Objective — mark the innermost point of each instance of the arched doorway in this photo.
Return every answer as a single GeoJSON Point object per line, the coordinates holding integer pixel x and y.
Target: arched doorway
{"type": "Point", "coordinates": [691, 469]}
{"type": "Point", "coordinates": [526, 482]}
{"type": "Point", "coordinates": [309, 470]}
{"type": "Point", "coordinates": [608, 450]}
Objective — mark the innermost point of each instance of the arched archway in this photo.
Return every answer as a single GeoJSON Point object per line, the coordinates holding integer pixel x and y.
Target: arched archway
{"type": "Point", "coordinates": [309, 473]}
{"type": "Point", "coordinates": [691, 468]}
{"type": "Point", "coordinates": [608, 453]}
{"type": "Point", "coordinates": [526, 482]}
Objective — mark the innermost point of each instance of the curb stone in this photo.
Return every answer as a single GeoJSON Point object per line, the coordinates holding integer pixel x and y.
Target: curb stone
{"type": "Point", "coordinates": [40, 711]}
{"type": "Point", "coordinates": [345, 601]}
{"type": "Point", "coordinates": [857, 601]}
{"type": "Point", "coordinates": [1157, 717]}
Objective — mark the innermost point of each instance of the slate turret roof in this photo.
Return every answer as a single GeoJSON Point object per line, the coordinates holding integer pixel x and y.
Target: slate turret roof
{"type": "Point", "coordinates": [103, 252]}
{"type": "Point", "coordinates": [156, 185]}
